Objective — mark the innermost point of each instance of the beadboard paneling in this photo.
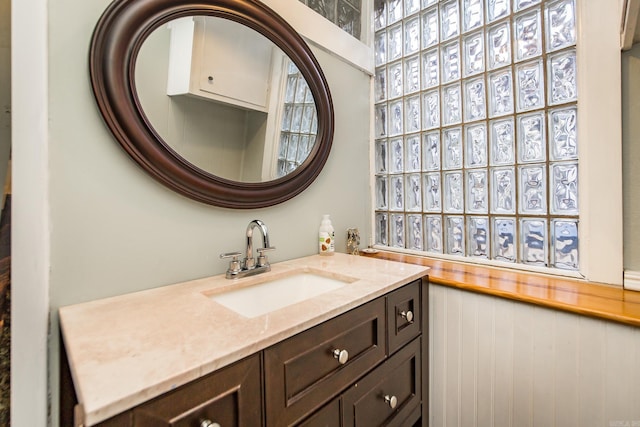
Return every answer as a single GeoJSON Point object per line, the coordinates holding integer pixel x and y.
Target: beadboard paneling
{"type": "Point", "coordinates": [496, 362]}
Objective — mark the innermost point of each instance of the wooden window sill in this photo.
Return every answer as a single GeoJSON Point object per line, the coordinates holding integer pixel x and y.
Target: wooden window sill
{"type": "Point", "coordinates": [572, 295]}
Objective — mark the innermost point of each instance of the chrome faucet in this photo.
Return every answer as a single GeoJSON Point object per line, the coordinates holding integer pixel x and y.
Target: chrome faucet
{"type": "Point", "coordinates": [250, 265]}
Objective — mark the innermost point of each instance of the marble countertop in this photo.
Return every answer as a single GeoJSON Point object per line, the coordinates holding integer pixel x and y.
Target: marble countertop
{"type": "Point", "coordinates": [130, 348]}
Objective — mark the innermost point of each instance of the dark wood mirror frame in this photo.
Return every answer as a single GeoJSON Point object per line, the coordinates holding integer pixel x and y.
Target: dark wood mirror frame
{"type": "Point", "coordinates": [115, 44]}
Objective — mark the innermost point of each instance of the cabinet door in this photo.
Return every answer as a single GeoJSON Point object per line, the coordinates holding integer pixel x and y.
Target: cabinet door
{"type": "Point", "coordinates": [389, 395]}
{"type": "Point", "coordinates": [302, 373]}
{"type": "Point", "coordinates": [235, 64]}
{"type": "Point", "coordinates": [403, 315]}
{"type": "Point", "coordinates": [230, 397]}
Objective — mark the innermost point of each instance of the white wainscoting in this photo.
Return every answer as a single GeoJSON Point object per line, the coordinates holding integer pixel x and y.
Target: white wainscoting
{"type": "Point", "coordinates": [495, 362]}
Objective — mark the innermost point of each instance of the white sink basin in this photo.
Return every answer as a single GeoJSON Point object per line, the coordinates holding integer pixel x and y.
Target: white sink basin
{"type": "Point", "coordinates": [278, 292]}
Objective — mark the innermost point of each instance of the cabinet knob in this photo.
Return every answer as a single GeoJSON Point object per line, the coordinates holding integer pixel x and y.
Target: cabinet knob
{"type": "Point", "coordinates": [407, 315]}
{"type": "Point", "coordinates": [210, 78]}
{"type": "Point", "coordinates": [341, 355]}
{"type": "Point", "coordinates": [208, 423]}
{"type": "Point", "coordinates": [392, 401]}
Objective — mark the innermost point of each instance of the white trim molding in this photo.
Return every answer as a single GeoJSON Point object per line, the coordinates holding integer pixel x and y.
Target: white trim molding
{"type": "Point", "coordinates": [632, 280]}
{"type": "Point", "coordinates": [30, 244]}
{"type": "Point", "coordinates": [629, 24]}
{"type": "Point", "coordinates": [324, 34]}
{"type": "Point", "coordinates": [600, 136]}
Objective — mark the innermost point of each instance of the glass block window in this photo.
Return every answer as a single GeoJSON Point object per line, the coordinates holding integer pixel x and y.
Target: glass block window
{"type": "Point", "coordinates": [346, 14]}
{"type": "Point", "coordinates": [476, 150]}
{"type": "Point", "coordinates": [299, 122]}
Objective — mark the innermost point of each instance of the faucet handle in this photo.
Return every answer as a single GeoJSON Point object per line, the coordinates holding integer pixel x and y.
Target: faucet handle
{"type": "Point", "coordinates": [262, 258]}
{"type": "Point", "coordinates": [234, 264]}
{"type": "Point", "coordinates": [230, 255]}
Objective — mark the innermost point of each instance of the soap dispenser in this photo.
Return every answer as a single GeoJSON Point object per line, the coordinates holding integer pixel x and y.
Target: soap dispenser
{"type": "Point", "coordinates": [326, 234]}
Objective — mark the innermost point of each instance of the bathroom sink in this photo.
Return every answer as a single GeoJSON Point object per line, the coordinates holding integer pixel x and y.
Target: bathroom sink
{"type": "Point", "coordinates": [279, 291]}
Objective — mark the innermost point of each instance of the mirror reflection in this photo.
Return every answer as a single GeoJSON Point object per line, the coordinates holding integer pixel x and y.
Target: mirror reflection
{"type": "Point", "coordinates": [226, 99]}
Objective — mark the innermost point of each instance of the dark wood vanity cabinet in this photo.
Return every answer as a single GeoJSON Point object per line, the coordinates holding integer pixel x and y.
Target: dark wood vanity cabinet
{"type": "Point", "coordinates": [328, 416]}
{"type": "Point", "coordinates": [310, 368]}
{"type": "Point", "coordinates": [369, 353]}
{"type": "Point", "coordinates": [229, 397]}
{"type": "Point", "coordinates": [404, 313]}
{"type": "Point", "coordinates": [367, 367]}
{"type": "Point", "coordinates": [390, 395]}
{"type": "Point", "coordinates": [366, 403]}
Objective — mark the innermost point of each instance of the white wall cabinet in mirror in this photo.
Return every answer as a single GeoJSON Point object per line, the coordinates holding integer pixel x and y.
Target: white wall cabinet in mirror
{"type": "Point", "coordinates": [219, 59]}
{"type": "Point", "coordinates": [223, 97]}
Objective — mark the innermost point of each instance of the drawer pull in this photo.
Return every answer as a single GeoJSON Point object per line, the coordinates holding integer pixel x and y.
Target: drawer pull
{"type": "Point", "coordinates": [208, 423]}
{"type": "Point", "coordinates": [407, 315]}
{"type": "Point", "coordinates": [341, 355]}
{"type": "Point", "coordinates": [392, 401]}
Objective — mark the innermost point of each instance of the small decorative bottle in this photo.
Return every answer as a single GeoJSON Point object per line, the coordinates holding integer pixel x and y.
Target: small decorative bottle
{"type": "Point", "coordinates": [326, 234]}
{"type": "Point", "coordinates": [353, 241]}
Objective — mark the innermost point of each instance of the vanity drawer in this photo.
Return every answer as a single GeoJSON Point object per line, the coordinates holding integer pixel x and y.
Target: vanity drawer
{"type": "Point", "coordinates": [230, 397]}
{"type": "Point", "coordinates": [328, 416]}
{"type": "Point", "coordinates": [403, 315]}
{"type": "Point", "coordinates": [364, 404]}
{"type": "Point", "coordinates": [303, 372]}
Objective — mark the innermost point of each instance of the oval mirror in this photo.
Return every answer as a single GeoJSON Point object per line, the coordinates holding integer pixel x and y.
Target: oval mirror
{"type": "Point", "coordinates": [220, 101]}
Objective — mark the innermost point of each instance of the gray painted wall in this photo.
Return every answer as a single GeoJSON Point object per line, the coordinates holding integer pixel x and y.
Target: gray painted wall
{"type": "Point", "coordinates": [631, 156]}
{"type": "Point", "coordinates": [115, 230]}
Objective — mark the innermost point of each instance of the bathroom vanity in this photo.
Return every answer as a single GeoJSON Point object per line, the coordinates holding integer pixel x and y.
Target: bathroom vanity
{"type": "Point", "coordinates": [353, 354]}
